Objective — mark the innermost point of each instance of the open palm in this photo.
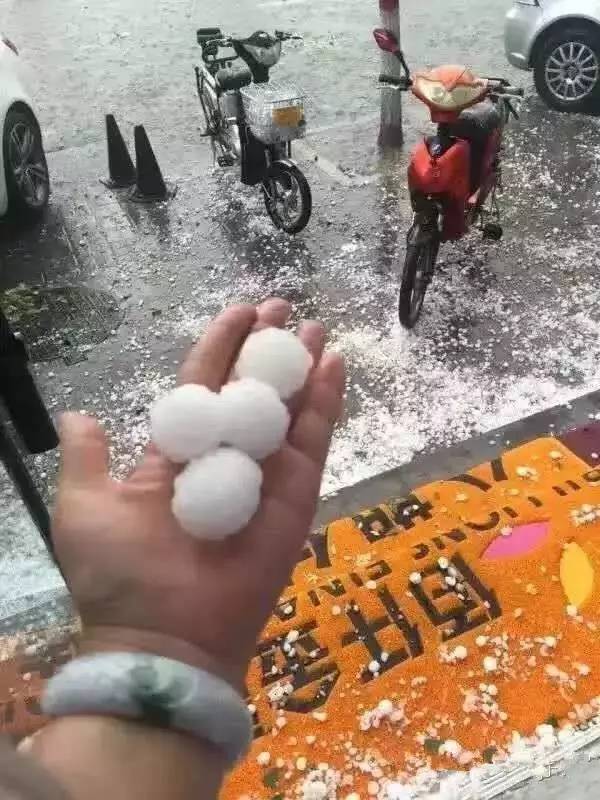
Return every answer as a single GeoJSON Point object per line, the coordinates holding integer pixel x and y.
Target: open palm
{"type": "Point", "coordinates": [139, 581]}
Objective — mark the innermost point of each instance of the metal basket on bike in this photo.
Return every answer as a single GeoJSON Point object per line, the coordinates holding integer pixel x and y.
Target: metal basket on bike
{"type": "Point", "coordinates": [274, 111]}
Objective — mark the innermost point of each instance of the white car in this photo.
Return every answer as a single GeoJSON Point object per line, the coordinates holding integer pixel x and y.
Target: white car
{"type": "Point", "coordinates": [24, 182]}
{"type": "Point", "coordinates": [560, 41]}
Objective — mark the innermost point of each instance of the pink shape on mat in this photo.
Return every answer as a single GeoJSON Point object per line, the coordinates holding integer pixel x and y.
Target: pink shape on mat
{"type": "Point", "coordinates": [522, 539]}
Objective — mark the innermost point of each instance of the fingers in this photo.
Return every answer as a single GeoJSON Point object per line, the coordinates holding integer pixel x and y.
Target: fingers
{"type": "Point", "coordinates": [312, 335]}
{"type": "Point", "coordinates": [321, 408]}
{"type": "Point", "coordinates": [291, 480]}
{"type": "Point", "coordinates": [273, 313]}
{"type": "Point", "coordinates": [154, 471]}
{"type": "Point", "coordinates": [84, 450]}
{"type": "Point", "coordinates": [211, 359]}
{"type": "Point", "coordinates": [292, 476]}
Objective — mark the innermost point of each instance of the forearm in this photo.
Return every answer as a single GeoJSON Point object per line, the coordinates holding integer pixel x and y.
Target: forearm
{"type": "Point", "coordinates": [95, 758]}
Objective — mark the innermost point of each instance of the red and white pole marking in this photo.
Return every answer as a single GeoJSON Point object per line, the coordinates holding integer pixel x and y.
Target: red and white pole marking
{"type": "Point", "coordinates": [390, 132]}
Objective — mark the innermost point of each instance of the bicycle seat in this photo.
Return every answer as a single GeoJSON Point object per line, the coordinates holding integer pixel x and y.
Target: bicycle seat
{"type": "Point", "coordinates": [228, 78]}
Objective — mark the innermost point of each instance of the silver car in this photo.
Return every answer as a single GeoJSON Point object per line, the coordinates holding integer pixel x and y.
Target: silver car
{"type": "Point", "coordinates": [560, 41]}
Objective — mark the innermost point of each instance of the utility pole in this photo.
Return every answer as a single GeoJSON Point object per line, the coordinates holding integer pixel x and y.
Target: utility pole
{"type": "Point", "coordinates": [390, 131]}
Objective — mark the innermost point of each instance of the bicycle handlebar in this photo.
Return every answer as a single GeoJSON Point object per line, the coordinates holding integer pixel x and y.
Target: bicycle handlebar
{"type": "Point", "coordinates": [227, 41]}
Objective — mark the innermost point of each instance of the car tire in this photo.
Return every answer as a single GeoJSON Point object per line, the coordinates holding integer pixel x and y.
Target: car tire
{"type": "Point", "coordinates": [548, 59]}
{"type": "Point", "coordinates": [26, 170]}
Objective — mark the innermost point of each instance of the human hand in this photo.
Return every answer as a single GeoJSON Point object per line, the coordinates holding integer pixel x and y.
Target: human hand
{"type": "Point", "coordinates": [139, 581]}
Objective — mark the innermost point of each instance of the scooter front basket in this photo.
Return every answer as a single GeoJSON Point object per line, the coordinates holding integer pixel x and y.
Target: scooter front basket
{"type": "Point", "coordinates": [274, 111]}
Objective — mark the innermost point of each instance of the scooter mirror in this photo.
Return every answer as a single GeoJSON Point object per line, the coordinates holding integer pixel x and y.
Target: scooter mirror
{"type": "Point", "coordinates": [386, 40]}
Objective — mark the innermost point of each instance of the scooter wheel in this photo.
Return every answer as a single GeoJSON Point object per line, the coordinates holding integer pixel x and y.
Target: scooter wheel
{"type": "Point", "coordinates": [493, 231]}
{"type": "Point", "coordinates": [419, 264]}
{"type": "Point", "coordinates": [287, 196]}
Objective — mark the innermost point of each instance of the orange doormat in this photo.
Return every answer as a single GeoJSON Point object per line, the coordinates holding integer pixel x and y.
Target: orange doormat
{"type": "Point", "coordinates": [420, 633]}
{"type": "Point", "coordinates": [425, 631]}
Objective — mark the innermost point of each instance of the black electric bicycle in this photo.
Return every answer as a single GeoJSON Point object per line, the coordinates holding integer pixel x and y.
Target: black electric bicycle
{"type": "Point", "coordinates": [253, 121]}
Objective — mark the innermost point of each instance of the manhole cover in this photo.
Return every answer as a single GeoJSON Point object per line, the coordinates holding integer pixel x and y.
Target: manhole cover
{"type": "Point", "coordinates": [63, 322]}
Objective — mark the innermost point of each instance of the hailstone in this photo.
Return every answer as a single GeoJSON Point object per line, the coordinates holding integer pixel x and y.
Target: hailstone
{"type": "Point", "coordinates": [217, 495]}
{"type": "Point", "coordinates": [276, 357]}
{"type": "Point", "coordinates": [187, 422]}
{"type": "Point", "coordinates": [254, 418]}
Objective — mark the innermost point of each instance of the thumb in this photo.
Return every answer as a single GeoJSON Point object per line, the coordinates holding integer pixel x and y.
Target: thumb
{"type": "Point", "coordinates": [84, 450]}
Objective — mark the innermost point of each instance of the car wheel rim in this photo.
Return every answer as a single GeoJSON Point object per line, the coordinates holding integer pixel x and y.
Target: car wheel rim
{"type": "Point", "coordinates": [572, 71]}
{"type": "Point", "coordinates": [27, 164]}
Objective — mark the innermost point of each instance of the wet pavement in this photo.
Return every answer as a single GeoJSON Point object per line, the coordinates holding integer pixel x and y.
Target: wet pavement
{"type": "Point", "coordinates": [508, 328]}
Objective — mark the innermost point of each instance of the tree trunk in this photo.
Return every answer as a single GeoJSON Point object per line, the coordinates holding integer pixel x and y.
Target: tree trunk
{"type": "Point", "coordinates": [390, 131]}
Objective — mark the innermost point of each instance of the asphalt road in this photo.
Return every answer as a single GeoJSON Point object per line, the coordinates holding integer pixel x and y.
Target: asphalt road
{"type": "Point", "coordinates": [508, 328]}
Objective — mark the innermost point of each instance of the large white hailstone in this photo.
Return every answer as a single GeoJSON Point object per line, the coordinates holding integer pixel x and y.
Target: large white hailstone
{"type": "Point", "coordinates": [217, 495]}
{"type": "Point", "coordinates": [276, 357]}
{"type": "Point", "coordinates": [187, 422]}
{"type": "Point", "coordinates": [254, 418]}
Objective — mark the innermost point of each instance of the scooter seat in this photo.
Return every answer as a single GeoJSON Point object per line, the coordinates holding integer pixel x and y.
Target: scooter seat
{"type": "Point", "coordinates": [228, 78]}
{"type": "Point", "coordinates": [476, 123]}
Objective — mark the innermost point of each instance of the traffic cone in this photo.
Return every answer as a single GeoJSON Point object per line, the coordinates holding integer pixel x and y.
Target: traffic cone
{"type": "Point", "coordinates": [149, 183]}
{"type": "Point", "coordinates": [120, 167]}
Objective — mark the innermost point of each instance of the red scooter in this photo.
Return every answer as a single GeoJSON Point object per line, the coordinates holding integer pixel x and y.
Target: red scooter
{"type": "Point", "coordinates": [452, 176]}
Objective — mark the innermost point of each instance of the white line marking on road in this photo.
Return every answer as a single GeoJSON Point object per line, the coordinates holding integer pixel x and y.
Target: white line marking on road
{"type": "Point", "coordinates": [329, 168]}
{"type": "Point", "coordinates": [346, 123]}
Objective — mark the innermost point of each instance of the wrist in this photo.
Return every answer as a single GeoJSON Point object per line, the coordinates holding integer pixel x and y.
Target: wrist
{"type": "Point", "coordinates": [152, 689]}
{"type": "Point", "coordinates": [109, 638]}
{"type": "Point", "coordinates": [87, 754]}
